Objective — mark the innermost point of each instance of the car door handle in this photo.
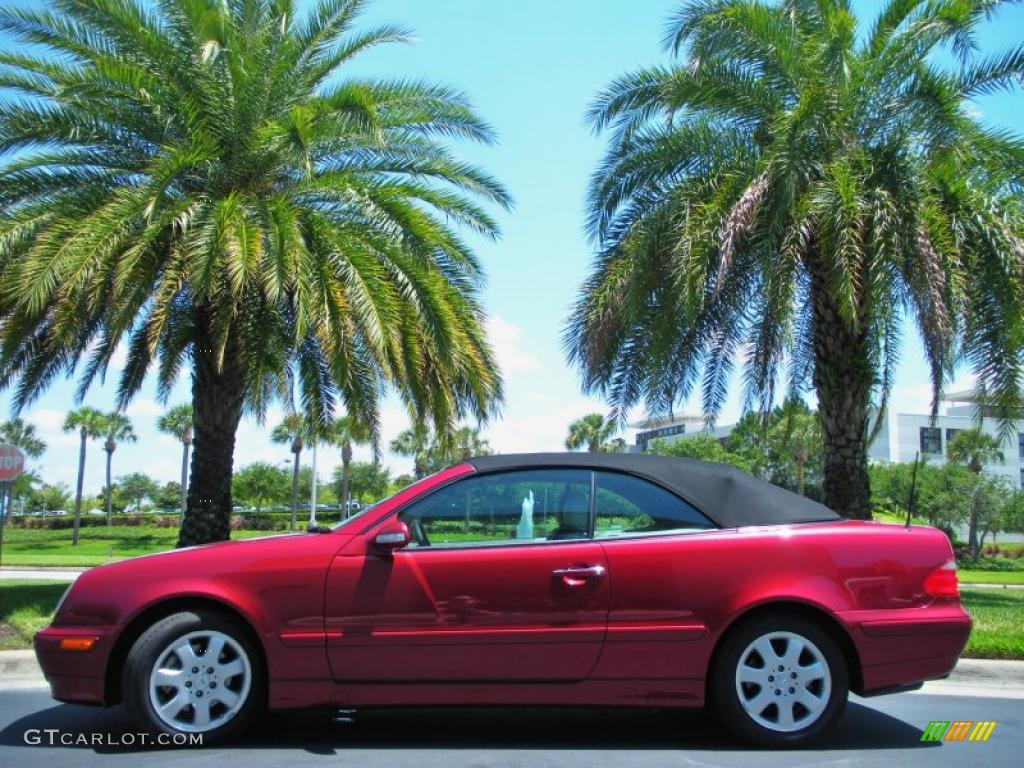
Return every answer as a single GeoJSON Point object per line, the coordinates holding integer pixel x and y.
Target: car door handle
{"type": "Point", "coordinates": [579, 575]}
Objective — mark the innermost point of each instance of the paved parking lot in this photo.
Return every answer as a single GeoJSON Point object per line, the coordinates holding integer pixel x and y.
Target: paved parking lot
{"type": "Point", "coordinates": [880, 731]}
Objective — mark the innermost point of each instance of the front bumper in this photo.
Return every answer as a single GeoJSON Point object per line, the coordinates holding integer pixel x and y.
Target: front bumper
{"type": "Point", "coordinates": [75, 676]}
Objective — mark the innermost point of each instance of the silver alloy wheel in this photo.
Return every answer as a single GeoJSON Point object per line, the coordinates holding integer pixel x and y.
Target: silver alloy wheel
{"type": "Point", "coordinates": [200, 681]}
{"type": "Point", "coordinates": [783, 681]}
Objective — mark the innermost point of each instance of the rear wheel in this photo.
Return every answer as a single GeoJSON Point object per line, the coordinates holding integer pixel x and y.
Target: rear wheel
{"type": "Point", "coordinates": [779, 680]}
{"type": "Point", "coordinates": [194, 673]}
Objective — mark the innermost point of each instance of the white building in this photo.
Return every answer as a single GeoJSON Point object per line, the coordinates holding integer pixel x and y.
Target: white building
{"type": "Point", "coordinates": [905, 435]}
{"type": "Point", "coordinates": [672, 428]}
{"type": "Point", "coordinates": [902, 437]}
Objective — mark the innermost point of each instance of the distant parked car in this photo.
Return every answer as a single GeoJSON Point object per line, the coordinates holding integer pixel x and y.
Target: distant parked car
{"type": "Point", "coordinates": [572, 579]}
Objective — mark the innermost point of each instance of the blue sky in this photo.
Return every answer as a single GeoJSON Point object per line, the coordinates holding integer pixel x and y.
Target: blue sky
{"type": "Point", "coordinates": [531, 68]}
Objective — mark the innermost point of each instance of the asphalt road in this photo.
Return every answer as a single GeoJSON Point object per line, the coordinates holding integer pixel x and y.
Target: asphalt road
{"type": "Point", "coordinates": [884, 730]}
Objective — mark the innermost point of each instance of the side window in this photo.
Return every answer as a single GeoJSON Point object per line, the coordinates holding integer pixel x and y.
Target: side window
{"type": "Point", "coordinates": [504, 508]}
{"type": "Point", "coordinates": [628, 505]}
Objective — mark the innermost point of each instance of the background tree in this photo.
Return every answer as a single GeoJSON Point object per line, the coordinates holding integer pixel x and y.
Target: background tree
{"type": "Point", "coordinates": [942, 492]}
{"type": "Point", "coordinates": [432, 451]}
{"type": "Point", "coordinates": [345, 432]}
{"type": "Point", "coordinates": [368, 481]}
{"type": "Point", "coordinates": [22, 434]}
{"type": "Point", "coordinates": [203, 183]}
{"type": "Point", "coordinates": [783, 194]}
{"type": "Point", "coordinates": [783, 446]}
{"type": "Point", "coordinates": [400, 482]}
{"type": "Point", "coordinates": [90, 424]}
{"type": "Point", "coordinates": [593, 431]}
{"type": "Point", "coordinates": [414, 443]}
{"type": "Point", "coordinates": [260, 483]}
{"type": "Point", "coordinates": [136, 488]}
{"type": "Point", "coordinates": [462, 444]}
{"type": "Point", "coordinates": [975, 449]}
{"type": "Point", "coordinates": [177, 423]}
{"type": "Point", "coordinates": [168, 497]}
{"type": "Point", "coordinates": [292, 431]}
{"type": "Point", "coordinates": [22, 487]}
{"type": "Point", "coordinates": [700, 446]}
{"type": "Point", "coordinates": [49, 498]}
{"type": "Point", "coordinates": [117, 428]}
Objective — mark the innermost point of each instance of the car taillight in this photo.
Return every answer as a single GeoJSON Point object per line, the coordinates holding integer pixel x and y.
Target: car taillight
{"type": "Point", "coordinates": [942, 581]}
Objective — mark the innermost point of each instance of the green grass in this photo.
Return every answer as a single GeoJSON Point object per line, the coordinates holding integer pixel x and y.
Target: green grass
{"type": "Point", "coordinates": [998, 623]}
{"type": "Point", "coordinates": [25, 607]}
{"type": "Point", "coordinates": [96, 545]}
{"type": "Point", "coordinates": [968, 576]}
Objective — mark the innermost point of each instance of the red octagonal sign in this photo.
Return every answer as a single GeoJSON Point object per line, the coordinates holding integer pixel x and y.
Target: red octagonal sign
{"type": "Point", "coordinates": [12, 461]}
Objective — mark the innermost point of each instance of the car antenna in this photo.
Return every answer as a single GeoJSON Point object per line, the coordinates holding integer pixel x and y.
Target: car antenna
{"type": "Point", "coordinates": [913, 489]}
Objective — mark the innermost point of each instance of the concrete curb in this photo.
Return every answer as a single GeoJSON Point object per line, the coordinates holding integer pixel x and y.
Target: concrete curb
{"type": "Point", "coordinates": [964, 585]}
{"type": "Point", "coordinates": [18, 669]}
{"type": "Point", "coordinates": [40, 574]}
{"type": "Point", "coordinates": [972, 677]}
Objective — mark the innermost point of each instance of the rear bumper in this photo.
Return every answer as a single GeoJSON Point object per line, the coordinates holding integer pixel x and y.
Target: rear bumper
{"type": "Point", "coordinates": [75, 676]}
{"type": "Point", "coordinates": [904, 647]}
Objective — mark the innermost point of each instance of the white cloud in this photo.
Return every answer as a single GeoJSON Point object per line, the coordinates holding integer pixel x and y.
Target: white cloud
{"type": "Point", "coordinates": [541, 426]}
{"type": "Point", "coordinates": [917, 398]}
{"type": "Point", "coordinates": [143, 407]}
{"type": "Point", "coordinates": [507, 340]}
{"type": "Point", "coordinates": [119, 358]}
{"type": "Point", "coordinates": [50, 425]}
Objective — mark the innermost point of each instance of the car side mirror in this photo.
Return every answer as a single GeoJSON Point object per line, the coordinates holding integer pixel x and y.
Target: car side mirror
{"type": "Point", "coordinates": [392, 537]}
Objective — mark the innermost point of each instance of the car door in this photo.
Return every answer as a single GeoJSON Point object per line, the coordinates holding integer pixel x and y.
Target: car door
{"type": "Point", "coordinates": [658, 547]}
{"type": "Point", "coordinates": [502, 582]}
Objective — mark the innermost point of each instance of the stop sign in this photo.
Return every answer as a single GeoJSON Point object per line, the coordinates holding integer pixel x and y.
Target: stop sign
{"type": "Point", "coordinates": [12, 461]}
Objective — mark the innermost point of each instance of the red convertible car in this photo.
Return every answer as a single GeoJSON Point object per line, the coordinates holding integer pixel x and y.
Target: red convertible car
{"type": "Point", "coordinates": [544, 579]}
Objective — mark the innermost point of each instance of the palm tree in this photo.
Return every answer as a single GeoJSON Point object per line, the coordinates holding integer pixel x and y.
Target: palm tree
{"type": "Point", "coordinates": [90, 424]}
{"type": "Point", "coordinates": [795, 436]}
{"type": "Point", "coordinates": [975, 449]}
{"type": "Point", "coordinates": [23, 435]}
{"type": "Point", "coordinates": [593, 431]}
{"type": "Point", "coordinates": [465, 442]}
{"type": "Point", "coordinates": [414, 443]}
{"type": "Point", "coordinates": [177, 423]}
{"type": "Point", "coordinates": [345, 432]}
{"type": "Point", "coordinates": [117, 428]}
{"type": "Point", "coordinates": [782, 195]}
{"type": "Point", "coordinates": [200, 181]}
{"type": "Point", "coordinates": [292, 431]}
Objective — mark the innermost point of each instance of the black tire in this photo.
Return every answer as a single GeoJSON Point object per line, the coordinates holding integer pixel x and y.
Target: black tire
{"type": "Point", "coordinates": [725, 698]}
{"type": "Point", "coordinates": [152, 645]}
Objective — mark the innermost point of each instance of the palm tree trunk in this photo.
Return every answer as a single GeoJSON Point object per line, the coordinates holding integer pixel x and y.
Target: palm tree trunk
{"type": "Point", "coordinates": [295, 489]}
{"type": "Point", "coordinates": [843, 380]}
{"type": "Point", "coordinates": [346, 476]}
{"type": "Point", "coordinates": [184, 482]}
{"type": "Point", "coordinates": [217, 399]}
{"type": "Point", "coordinates": [972, 529]}
{"type": "Point", "coordinates": [78, 489]}
{"type": "Point", "coordinates": [110, 508]}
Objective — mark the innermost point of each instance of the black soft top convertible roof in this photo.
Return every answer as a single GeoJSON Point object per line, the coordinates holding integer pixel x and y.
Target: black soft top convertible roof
{"type": "Point", "coordinates": [729, 497]}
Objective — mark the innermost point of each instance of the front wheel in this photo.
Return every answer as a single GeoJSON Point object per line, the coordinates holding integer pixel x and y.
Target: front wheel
{"type": "Point", "coordinates": [194, 673]}
{"type": "Point", "coordinates": [779, 681]}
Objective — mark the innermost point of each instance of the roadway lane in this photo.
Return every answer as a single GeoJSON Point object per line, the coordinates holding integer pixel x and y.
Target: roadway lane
{"type": "Point", "coordinates": [884, 730]}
